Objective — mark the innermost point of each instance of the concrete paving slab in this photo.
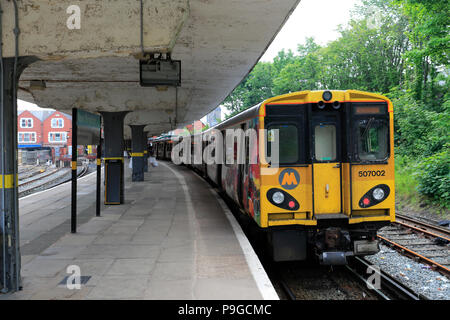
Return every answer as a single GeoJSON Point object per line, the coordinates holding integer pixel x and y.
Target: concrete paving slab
{"type": "Point", "coordinates": [119, 287]}
{"type": "Point", "coordinates": [225, 289]}
{"type": "Point", "coordinates": [62, 252]}
{"type": "Point", "coordinates": [44, 267]}
{"type": "Point", "coordinates": [169, 290]}
{"type": "Point", "coordinates": [179, 270]}
{"type": "Point", "coordinates": [165, 242]}
{"type": "Point", "coordinates": [131, 267]}
{"type": "Point", "coordinates": [113, 239]}
{"type": "Point", "coordinates": [76, 240]}
{"type": "Point", "coordinates": [177, 254]}
{"type": "Point", "coordinates": [93, 267]}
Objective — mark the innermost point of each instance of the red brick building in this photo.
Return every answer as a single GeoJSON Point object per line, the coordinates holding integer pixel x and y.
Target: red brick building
{"type": "Point", "coordinates": [29, 130]}
{"type": "Point", "coordinates": [49, 130]}
{"type": "Point", "coordinates": [57, 134]}
{"type": "Point", "coordinates": [45, 129]}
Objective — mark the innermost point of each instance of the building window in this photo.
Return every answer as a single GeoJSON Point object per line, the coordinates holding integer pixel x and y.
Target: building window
{"type": "Point", "coordinates": [29, 137]}
{"type": "Point", "coordinates": [57, 137]}
{"type": "Point", "coordinates": [57, 123]}
{"type": "Point", "coordinates": [26, 123]}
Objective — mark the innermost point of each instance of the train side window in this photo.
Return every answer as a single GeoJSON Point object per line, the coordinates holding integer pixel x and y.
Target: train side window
{"type": "Point", "coordinates": [288, 142]}
{"type": "Point", "coordinates": [325, 142]}
{"type": "Point", "coordinates": [372, 139]}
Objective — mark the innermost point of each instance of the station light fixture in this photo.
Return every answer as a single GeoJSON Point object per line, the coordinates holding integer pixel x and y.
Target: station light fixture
{"type": "Point", "coordinates": [321, 104]}
{"type": "Point", "coordinates": [336, 105]}
{"type": "Point", "coordinates": [157, 71]}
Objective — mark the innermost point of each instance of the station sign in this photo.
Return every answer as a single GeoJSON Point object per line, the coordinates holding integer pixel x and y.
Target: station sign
{"type": "Point", "coordinates": [88, 125]}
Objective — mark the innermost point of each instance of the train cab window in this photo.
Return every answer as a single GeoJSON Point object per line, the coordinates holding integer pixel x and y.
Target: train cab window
{"type": "Point", "coordinates": [372, 139]}
{"type": "Point", "coordinates": [325, 142]}
{"type": "Point", "coordinates": [288, 142]}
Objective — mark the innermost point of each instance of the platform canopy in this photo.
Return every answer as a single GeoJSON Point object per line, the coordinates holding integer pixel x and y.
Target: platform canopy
{"type": "Point", "coordinates": [96, 67]}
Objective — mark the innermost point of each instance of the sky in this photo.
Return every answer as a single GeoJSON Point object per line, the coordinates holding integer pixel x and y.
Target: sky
{"type": "Point", "coordinates": [23, 105]}
{"type": "Point", "coordinates": [312, 18]}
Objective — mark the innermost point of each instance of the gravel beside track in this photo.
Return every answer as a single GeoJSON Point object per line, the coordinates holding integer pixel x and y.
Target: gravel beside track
{"type": "Point", "coordinates": [417, 276]}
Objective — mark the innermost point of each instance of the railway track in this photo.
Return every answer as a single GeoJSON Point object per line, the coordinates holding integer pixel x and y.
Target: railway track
{"type": "Point", "coordinates": [46, 181]}
{"type": "Point", "coordinates": [308, 284]}
{"type": "Point", "coordinates": [421, 226]}
{"type": "Point", "coordinates": [31, 171]}
{"type": "Point", "coordinates": [387, 287]}
{"type": "Point", "coordinates": [26, 168]}
{"type": "Point", "coordinates": [36, 176]}
{"type": "Point", "coordinates": [420, 241]}
{"type": "Point", "coordinates": [309, 281]}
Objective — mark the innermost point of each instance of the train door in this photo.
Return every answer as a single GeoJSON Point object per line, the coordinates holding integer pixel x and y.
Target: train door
{"type": "Point", "coordinates": [326, 162]}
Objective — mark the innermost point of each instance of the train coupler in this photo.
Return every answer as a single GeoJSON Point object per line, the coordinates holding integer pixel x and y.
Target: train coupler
{"type": "Point", "coordinates": [365, 247]}
{"type": "Point", "coordinates": [334, 257]}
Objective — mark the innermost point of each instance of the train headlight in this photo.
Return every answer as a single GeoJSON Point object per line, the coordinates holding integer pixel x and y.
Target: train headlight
{"type": "Point", "coordinates": [327, 95]}
{"type": "Point", "coordinates": [378, 194]}
{"type": "Point", "coordinates": [374, 196]}
{"type": "Point", "coordinates": [278, 197]}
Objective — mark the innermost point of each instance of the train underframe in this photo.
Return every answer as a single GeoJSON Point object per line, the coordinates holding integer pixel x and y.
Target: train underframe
{"type": "Point", "coordinates": [330, 243]}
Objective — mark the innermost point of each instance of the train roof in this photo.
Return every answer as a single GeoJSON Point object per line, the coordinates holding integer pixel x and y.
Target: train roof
{"type": "Point", "coordinates": [165, 138]}
{"type": "Point", "coordinates": [243, 116]}
{"type": "Point", "coordinates": [300, 97]}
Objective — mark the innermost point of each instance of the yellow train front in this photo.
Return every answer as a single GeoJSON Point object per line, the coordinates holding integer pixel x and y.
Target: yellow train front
{"type": "Point", "coordinates": [336, 175]}
{"type": "Point", "coordinates": [334, 185]}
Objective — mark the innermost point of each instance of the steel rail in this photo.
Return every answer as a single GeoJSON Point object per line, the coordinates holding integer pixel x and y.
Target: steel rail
{"type": "Point", "coordinates": [389, 288]}
{"type": "Point", "coordinates": [38, 178]}
{"type": "Point", "coordinates": [31, 173]}
{"type": "Point", "coordinates": [419, 223]}
{"type": "Point", "coordinates": [406, 225]}
{"type": "Point", "coordinates": [32, 189]}
{"type": "Point", "coordinates": [287, 291]}
{"type": "Point", "coordinates": [433, 263]}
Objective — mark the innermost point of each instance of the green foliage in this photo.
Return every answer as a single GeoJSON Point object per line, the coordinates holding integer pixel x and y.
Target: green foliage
{"type": "Point", "coordinates": [405, 179]}
{"type": "Point", "coordinates": [434, 177]}
{"type": "Point", "coordinates": [419, 131]}
{"type": "Point", "coordinates": [256, 87]}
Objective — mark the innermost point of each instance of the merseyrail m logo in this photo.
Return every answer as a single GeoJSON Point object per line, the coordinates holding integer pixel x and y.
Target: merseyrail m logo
{"type": "Point", "coordinates": [289, 179]}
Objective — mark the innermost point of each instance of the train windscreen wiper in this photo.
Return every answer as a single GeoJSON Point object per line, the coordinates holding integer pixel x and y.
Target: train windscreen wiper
{"type": "Point", "coordinates": [367, 128]}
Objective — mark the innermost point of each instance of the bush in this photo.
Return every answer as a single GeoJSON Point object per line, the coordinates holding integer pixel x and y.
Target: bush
{"type": "Point", "coordinates": [433, 176]}
{"type": "Point", "coordinates": [405, 179]}
{"type": "Point", "coordinates": [419, 132]}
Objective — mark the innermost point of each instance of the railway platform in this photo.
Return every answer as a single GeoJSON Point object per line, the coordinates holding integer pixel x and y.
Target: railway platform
{"type": "Point", "coordinates": [173, 238]}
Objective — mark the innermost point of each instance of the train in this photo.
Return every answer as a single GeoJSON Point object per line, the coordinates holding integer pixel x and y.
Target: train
{"type": "Point", "coordinates": [332, 187]}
